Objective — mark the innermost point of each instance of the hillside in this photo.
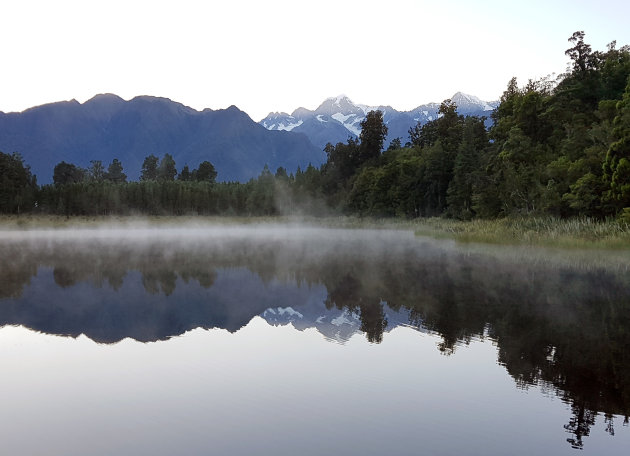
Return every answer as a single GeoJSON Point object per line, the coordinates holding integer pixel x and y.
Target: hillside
{"type": "Point", "coordinates": [107, 127]}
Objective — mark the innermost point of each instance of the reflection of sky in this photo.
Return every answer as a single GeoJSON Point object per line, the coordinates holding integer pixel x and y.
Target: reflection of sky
{"type": "Point", "coordinates": [272, 390]}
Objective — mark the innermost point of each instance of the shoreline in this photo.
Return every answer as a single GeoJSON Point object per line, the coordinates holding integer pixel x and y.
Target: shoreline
{"type": "Point", "coordinates": [577, 233]}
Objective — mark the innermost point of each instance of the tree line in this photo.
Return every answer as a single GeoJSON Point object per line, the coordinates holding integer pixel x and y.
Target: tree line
{"type": "Point", "coordinates": [556, 147]}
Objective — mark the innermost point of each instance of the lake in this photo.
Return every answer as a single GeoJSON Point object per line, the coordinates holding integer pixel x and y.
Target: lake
{"type": "Point", "coordinates": [291, 339]}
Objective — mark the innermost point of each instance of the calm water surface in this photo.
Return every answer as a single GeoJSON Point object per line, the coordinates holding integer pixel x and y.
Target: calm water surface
{"type": "Point", "coordinates": [295, 340]}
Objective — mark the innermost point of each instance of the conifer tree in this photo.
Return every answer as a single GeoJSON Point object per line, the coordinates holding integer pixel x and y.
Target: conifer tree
{"type": "Point", "coordinates": [149, 168]}
{"type": "Point", "coordinates": [167, 170]}
{"type": "Point", "coordinates": [115, 172]}
{"type": "Point", "coordinates": [372, 137]}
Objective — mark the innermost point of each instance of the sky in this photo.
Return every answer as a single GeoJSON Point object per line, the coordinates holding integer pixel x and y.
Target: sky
{"type": "Point", "coordinates": [278, 55]}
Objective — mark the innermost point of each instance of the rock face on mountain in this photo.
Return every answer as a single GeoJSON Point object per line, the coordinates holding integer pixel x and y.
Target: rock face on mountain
{"type": "Point", "coordinates": [108, 127]}
{"type": "Point", "coordinates": [338, 118]}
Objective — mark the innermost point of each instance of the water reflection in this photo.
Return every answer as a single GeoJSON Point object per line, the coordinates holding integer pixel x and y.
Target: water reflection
{"type": "Point", "coordinates": [555, 324]}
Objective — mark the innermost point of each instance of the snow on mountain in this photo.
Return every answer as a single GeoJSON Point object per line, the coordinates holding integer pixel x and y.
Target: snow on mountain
{"type": "Point", "coordinates": [290, 313]}
{"type": "Point", "coordinates": [281, 121]}
{"type": "Point", "coordinates": [342, 110]}
{"type": "Point", "coordinates": [339, 104]}
{"type": "Point", "coordinates": [336, 325]}
{"type": "Point", "coordinates": [424, 113]}
{"type": "Point", "coordinates": [466, 102]}
{"type": "Point", "coordinates": [338, 118]}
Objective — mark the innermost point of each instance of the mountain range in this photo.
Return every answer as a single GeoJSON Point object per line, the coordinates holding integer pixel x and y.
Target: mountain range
{"type": "Point", "coordinates": [338, 118]}
{"type": "Point", "coordinates": [107, 127]}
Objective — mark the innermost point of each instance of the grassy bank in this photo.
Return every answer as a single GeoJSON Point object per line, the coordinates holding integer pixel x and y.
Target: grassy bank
{"type": "Point", "coordinates": [544, 231]}
{"type": "Point", "coordinates": [48, 222]}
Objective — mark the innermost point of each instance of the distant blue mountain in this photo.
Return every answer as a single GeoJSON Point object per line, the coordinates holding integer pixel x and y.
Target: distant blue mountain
{"type": "Point", "coordinates": [108, 127]}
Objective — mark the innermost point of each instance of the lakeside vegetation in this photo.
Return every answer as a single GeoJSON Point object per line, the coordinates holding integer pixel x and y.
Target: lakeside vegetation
{"type": "Point", "coordinates": [540, 231]}
{"type": "Point", "coordinates": [554, 168]}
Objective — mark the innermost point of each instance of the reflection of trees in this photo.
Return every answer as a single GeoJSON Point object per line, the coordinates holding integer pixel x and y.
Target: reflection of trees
{"type": "Point", "coordinates": [565, 328]}
{"type": "Point", "coordinates": [553, 326]}
{"type": "Point", "coordinates": [161, 281]}
{"type": "Point", "coordinates": [16, 271]}
{"type": "Point", "coordinates": [350, 294]}
{"type": "Point", "coordinates": [580, 424]}
{"type": "Point", "coordinates": [97, 267]}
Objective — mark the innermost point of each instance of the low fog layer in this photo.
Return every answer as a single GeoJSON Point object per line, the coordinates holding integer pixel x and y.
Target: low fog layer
{"type": "Point", "coordinates": [312, 240]}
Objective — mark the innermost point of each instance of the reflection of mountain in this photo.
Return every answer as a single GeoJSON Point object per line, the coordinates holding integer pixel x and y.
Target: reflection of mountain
{"type": "Point", "coordinates": [337, 325]}
{"type": "Point", "coordinates": [334, 325]}
{"type": "Point", "coordinates": [147, 308]}
{"type": "Point", "coordinates": [554, 324]}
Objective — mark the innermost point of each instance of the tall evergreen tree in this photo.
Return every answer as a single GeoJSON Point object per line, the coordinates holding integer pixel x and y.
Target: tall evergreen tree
{"type": "Point", "coordinates": [96, 171]}
{"type": "Point", "coordinates": [449, 127]}
{"type": "Point", "coordinates": [167, 170]}
{"type": "Point", "coordinates": [423, 135]}
{"type": "Point", "coordinates": [372, 137]}
{"type": "Point", "coordinates": [185, 174]}
{"type": "Point", "coordinates": [149, 168]}
{"type": "Point", "coordinates": [581, 53]}
{"type": "Point", "coordinates": [205, 172]}
{"type": "Point", "coordinates": [17, 185]}
{"type": "Point", "coordinates": [115, 172]}
{"type": "Point", "coordinates": [67, 173]}
{"type": "Point", "coordinates": [466, 169]}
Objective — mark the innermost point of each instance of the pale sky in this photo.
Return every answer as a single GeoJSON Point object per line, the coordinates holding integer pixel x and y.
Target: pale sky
{"type": "Point", "coordinates": [277, 55]}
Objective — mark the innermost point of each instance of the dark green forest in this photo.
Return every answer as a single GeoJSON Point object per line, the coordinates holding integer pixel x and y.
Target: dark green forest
{"type": "Point", "coordinates": [558, 147]}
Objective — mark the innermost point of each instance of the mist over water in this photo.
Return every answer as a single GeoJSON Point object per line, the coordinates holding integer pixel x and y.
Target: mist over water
{"type": "Point", "coordinates": [555, 322]}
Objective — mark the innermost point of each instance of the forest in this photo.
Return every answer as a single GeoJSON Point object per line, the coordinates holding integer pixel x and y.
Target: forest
{"type": "Point", "coordinates": [557, 147]}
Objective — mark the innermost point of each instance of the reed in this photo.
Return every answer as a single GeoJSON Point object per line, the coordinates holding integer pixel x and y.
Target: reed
{"type": "Point", "coordinates": [545, 231]}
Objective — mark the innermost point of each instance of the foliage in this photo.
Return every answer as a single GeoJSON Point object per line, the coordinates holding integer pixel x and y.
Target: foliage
{"type": "Point", "coordinates": [205, 172]}
{"type": "Point", "coordinates": [616, 167]}
{"type": "Point", "coordinates": [67, 173]}
{"type": "Point", "coordinates": [166, 169]}
{"type": "Point", "coordinates": [149, 168]}
{"type": "Point", "coordinates": [373, 133]}
{"type": "Point", "coordinates": [96, 171]}
{"type": "Point", "coordinates": [115, 172]}
{"type": "Point", "coordinates": [17, 185]}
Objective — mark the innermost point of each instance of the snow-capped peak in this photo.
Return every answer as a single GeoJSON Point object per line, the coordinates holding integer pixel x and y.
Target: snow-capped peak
{"type": "Point", "coordinates": [464, 100]}
{"type": "Point", "coordinates": [337, 118]}
{"type": "Point", "coordinates": [340, 103]}
{"type": "Point", "coordinates": [280, 121]}
{"type": "Point", "coordinates": [366, 108]}
{"type": "Point", "coordinates": [340, 100]}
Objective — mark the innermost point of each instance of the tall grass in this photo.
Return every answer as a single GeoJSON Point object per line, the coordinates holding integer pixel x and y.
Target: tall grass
{"type": "Point", "coordinates": [546, 231]}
